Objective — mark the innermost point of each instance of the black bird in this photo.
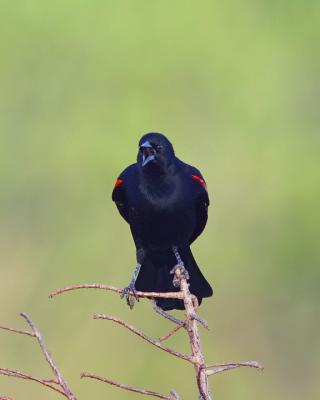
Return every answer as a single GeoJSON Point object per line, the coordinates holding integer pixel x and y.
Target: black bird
{"type": "Point", "coordinates": [165, 202]}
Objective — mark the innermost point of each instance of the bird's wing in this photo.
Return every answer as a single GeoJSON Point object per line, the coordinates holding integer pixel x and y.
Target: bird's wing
{"type": "Point", "coordinates": [202, 202]}
{"type": "Point", "coordinates": [119, 193]}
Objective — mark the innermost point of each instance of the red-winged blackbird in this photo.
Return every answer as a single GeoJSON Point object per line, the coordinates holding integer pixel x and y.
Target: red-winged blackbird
{"type": "Point", "coordinates": [165, 202]}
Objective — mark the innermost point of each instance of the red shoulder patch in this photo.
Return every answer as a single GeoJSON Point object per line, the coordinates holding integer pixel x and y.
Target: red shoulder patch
{"type": "Point", "coordinates": [200, 180]}
{"type": "Point", "coordinates": [118, 183]}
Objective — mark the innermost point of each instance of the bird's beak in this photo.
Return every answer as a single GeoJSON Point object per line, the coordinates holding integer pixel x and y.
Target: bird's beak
{"type": "Point", "coordinates": [146, 160]}
{"type": "Point", "coordinates": [148, 153]}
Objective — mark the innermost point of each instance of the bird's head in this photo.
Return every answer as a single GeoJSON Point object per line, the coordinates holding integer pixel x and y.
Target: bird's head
{"type": "Point", "coordinates": [155, 153]}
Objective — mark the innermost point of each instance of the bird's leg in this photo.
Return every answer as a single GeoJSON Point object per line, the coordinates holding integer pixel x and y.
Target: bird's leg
{"type": "Point", "coordinates": [180, 265]}
{"type": "Point", "coordinates": [166, 315]}
{"type": "Point", "coordinates": [129, 292]}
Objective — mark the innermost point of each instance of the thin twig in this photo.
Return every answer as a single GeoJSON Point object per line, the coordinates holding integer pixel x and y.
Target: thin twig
{"type": "Point", "coordinates": [170, 333]}
{"type": "Point", "coordinates": [226, 367]}
{"type": "Point", "coordinates": [22, 375]}
{"type": "Point", "coordinates": [165, 295]}
{"type": "Point", "coordinates": [201, 321]}
{"type": "Point", "coordinates": [166, 315]}
{"type": "Point", "coordinates": [172, 396]}
{"type": "Point", "coordinates": [48, 357]}
{"type": "Point", "coordinates": [145, 337]}
{"type": "Point", "coordinates": [51, 380]}
{"type": "Point", "coordinates": [22, 332]}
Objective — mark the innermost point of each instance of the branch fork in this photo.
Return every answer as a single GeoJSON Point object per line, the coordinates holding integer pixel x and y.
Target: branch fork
{"type": "Point", "coordinates": [58, 384]}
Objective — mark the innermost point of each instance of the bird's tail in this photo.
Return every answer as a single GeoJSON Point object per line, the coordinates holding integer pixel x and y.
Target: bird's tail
{"type": "Point", "coordinates": [154, 276]}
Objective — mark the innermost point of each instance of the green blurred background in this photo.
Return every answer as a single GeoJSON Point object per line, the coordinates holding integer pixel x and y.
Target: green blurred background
{"type": "Point", "coordinates": [236, 87]}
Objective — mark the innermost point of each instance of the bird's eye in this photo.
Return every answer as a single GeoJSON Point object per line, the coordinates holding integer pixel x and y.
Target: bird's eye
{"type": "Point", "coordinates": [158, 147]}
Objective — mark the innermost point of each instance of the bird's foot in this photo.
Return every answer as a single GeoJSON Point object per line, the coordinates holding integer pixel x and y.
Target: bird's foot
{"type": "Point", "coordinates": [183, 273]}
{"type": "Point", "coordinates": [130, 294]}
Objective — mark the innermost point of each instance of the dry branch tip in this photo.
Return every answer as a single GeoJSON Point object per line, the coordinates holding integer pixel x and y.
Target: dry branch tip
{"type": "Point", "coordinates": [217, 368]}
{"type": "Point", "coordinates": [173, 394]}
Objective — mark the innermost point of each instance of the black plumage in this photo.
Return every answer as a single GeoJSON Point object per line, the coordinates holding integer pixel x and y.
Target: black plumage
{"type": "Point", "coordinates": [165, 202]}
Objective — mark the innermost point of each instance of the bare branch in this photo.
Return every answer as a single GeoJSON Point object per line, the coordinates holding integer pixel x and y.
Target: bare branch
{"type": "Point", "coordinates": [22, 375]}
{"type": "Point", "coordinates": [190, 325]}
{"type": "Point", "coordinates": [226, 367]}
{"type": "Point", "coordinates": [22, 332]}
{"type": "Point", "coordinates": [165, 295]}
{"type": "Point", "coordinates": [190, 302]}
{"type": "Point", "coordinates": [57, 384]}
{"type": "Point", "coordinates": [48, 357]}
{"type": "Point", "coordinates": [173, 395]}
{"type": "Point", "coordinates": [145, 337]}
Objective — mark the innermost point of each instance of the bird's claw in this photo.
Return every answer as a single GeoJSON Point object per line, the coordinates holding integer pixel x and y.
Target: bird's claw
{"type": "Point", "coordinates": [130, 294]}
{"type": "Point", "coordinates": [183, 274]}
